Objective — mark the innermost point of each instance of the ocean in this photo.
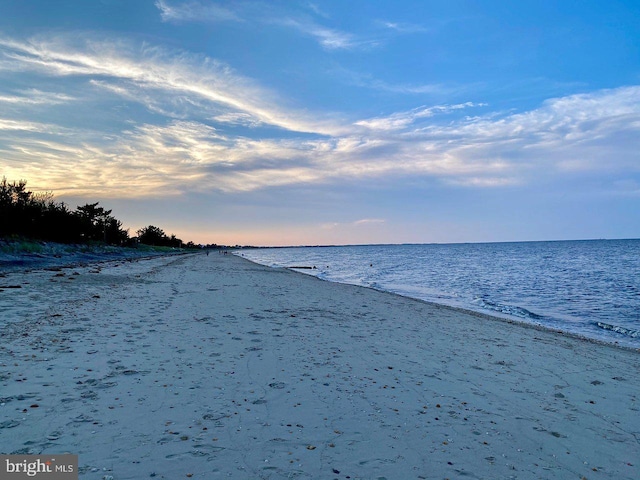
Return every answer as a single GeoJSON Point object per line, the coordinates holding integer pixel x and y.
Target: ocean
{"type": "Point", "coordinates": [590, 288]}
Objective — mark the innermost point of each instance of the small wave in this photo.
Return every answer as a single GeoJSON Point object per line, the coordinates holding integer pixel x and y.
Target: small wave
{"type": "Point", "coordinates": [508, 309]}
{"type": "Point", "coordinates": [621, 330]}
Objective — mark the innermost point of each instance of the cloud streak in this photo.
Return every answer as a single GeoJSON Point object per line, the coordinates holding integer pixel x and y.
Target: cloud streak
{"type": "Point", "coordinates": [195, 12]}
{"type": "Point", "coordinates": [155, 69]}
{"type": "Point", "coordinates": [403, 28]}
{"type": "Point", "coordinates": [402, 120]}
{"type": "Point", "coordinates": [328, 38]}
{"type": "Point", "coordinates": [265, 13]}
{"type": "Point", "coordinates": [36, 97]}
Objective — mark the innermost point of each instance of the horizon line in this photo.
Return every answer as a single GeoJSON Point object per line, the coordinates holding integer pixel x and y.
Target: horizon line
{"type": "Point", "coordinates": [432, 243]}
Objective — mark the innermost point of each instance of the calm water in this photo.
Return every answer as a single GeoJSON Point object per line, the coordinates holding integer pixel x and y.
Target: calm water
{"type": "Point", "coordinates": [587, 287]}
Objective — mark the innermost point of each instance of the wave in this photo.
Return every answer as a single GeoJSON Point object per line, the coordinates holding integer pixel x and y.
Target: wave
{"type": "Point", "coordinates": [507, 309]}
{"type": "Point", "coordinates": [621, 330]}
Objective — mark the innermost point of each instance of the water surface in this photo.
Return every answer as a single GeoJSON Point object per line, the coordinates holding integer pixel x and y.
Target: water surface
{"type": "Point", "coordinates": [591, 288]}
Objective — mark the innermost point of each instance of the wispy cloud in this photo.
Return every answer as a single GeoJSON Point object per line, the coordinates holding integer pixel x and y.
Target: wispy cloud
{"type": "Point", "coordinates": [263, 13]}
{"type": "Point", "coordinates": [198, 139]}
{"type": "Point", "coordinates": [404, 28]}
{"type": "Point", "coordinates": [433, 89]}
{"type": "Point", "coordinates": [36, 97]}
{"type": "Point", "coordinates": [328, 38]}
{"type": "Point", "coordinates": [401, 120]}
{"type": "Point", "coordinates": [369, 221]}
{"type": "Point", "coordinates": [317, 10]}
{"type": "Point", "coordinates": [27, 126]}
{"type": "Point", "coordinates": [194, 11]}
{"type": "Point", "coordinates": [236, 118]}
{"type": "Point", "coordinates": [155, 70]}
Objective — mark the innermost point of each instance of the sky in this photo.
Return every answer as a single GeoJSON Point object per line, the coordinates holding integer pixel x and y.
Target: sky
{"type": "Point", "coordinates": [330, 122]}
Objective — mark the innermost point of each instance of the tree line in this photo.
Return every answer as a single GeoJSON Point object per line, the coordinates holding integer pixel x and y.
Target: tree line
{"type": "Point", "coordinates": [38, 216]}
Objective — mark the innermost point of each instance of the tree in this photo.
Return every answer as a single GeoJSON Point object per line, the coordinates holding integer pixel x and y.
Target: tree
{"type": "Point", "coordinates": [155, 236]}
{"type": "Point", "coordinates": [93, 220]}
{"type": "Point", "coordinates": [21, 211]}
{"type": "Point", "coordinates": [152, 236]}
{"type": "Point", "coordinates": [38, 216]}
{"type": "Point", "coordinates": [98, 224]}
{"type": "Point", "coordinates": [59, 224]}
{"type": "Point", "coordinates": [114, 233]}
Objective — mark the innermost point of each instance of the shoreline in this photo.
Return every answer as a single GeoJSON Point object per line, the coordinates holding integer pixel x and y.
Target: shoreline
{"type": "Point", "coordinates": [597, 330]}
{"type": "Point", "coordinates": [197, 366]}
{"type": "Point", "coordinates": [482, 315]}
{"type": "Point", "coordinates": [506, 319]}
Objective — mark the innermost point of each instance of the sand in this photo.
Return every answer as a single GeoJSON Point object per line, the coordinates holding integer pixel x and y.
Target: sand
{"type": "Point", "coordinates": [214, 367]}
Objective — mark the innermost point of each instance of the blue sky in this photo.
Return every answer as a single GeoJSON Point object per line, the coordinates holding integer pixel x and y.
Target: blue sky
{"type": "Point", "coordinates": [330, 122]}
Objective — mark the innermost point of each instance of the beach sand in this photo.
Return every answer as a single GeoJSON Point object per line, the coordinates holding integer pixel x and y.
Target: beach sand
{"type": "Point", "coordinates": [214, 367]}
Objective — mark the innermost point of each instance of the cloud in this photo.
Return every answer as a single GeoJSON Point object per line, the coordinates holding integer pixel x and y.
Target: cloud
{"type": "Point", "coordinates": [577, 123]}
{"type": "Point", "coordinates": [36, 97]}
{"type": "Point", "coordinates": [401, 120]}
{"type": "Point", "coordinates": [434, 88]}
{"type": "Point", "coordinates": [316, 10]}
{"type": "Point", "coordinates": [404, 28]}
{"type": "Point", "coordinates": [26, 126]}
{"type": "Point", "coordinates": [369, 221]}
{"type": "Point", "coordinates": [328, 38]}
{"type": "Point", "coordinates": [212, 129]}
{"type": "Point", "coordinates": [237, 119]}
{"type": "Point", "coordinates": [480, 153]}
{"type": "Point", "coordinates": [173, 106]}
{"type": "Point", "coordinates": [194, 12]}
{"type": "Point", "coordinates": [157, 72]}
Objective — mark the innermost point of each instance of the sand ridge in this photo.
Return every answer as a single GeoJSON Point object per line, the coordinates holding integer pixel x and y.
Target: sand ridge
{"type": "Point", "coordinates": [214, 367]}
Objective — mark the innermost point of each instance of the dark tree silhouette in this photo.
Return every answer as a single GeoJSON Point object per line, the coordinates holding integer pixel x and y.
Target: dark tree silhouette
{"type": "Point", "coordinates": [155, 236]}
{"type": "Point", "coordinates": [98, 224]}
{"type": "Point", "coordinates": [38, 216]}
{"type": "Point", "coordinates": [114, 233]}
{"type": "Point", "coordinates": [21, 211]}
{"type": "Point", "coordinates": [151, 235]}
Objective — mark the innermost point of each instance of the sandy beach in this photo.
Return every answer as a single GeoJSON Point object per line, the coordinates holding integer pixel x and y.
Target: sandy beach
{"type": "Point", "coordinates": [214, 367]}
